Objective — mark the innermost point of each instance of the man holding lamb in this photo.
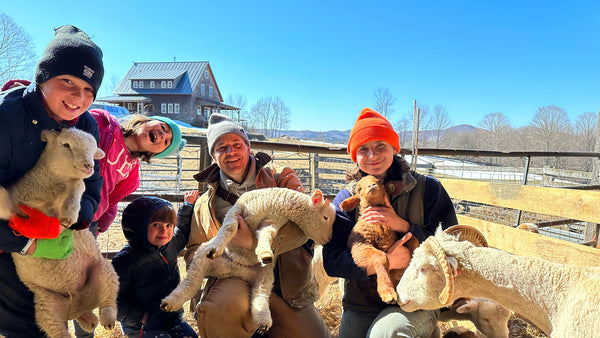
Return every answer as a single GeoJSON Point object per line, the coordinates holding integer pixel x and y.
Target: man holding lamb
{"type": "Point", "coordinates": [223, 309]}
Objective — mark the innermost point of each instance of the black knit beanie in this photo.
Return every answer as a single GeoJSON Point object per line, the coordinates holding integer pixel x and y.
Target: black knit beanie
{"type": "Point", "coordinates": [71, 52]}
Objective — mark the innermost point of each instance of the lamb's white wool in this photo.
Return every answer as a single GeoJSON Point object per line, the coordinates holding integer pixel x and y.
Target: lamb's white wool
{"type": "Point", "coordinates": [67, 288]}
{"type": "Point", "coordinates": [561, 300]}
{"type": "Point", "coordinates": [265, 211]}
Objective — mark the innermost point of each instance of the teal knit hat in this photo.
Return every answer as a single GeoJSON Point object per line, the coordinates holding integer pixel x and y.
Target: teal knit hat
{"type": "Point", "coordinates": [177, 143]}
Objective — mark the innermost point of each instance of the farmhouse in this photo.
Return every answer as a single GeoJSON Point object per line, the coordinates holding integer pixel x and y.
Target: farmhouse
{"type": "Point", "coordinates": [184, 91]}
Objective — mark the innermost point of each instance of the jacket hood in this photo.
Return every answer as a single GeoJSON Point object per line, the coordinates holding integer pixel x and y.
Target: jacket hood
{"type": "Point", "coordinates": [136, 218]}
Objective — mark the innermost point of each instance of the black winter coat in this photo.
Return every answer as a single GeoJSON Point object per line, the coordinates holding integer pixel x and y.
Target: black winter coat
{"type": "Point", "coordinates": [148, 274]}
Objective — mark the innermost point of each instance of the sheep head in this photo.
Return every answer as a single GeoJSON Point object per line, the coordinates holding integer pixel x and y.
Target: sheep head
{"type": "Point", "coordinates": [428, 282]}
{"type": "Point", "coordinates": [70, 152]}
{"type": "Point", "coordinates": [324, 213]}
{"type": "Point", "coordinates": [369, 191]}
{"type": "Point", "coordinates": [489, 317]}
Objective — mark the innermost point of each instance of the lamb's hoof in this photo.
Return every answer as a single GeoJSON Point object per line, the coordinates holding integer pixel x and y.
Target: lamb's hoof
{"type": "Point", "coordinates": [88, 321]}
{"type": "Point", "coordinates": [166, 307]}
{"type": "Point", "coordinates": [388, 296]}
{"type": "Point", "coordinates": [262, 329]}
{"type": "Point", "coordinates": [108, 317]}
{"type": "Point", "coordinates": [266, 260]}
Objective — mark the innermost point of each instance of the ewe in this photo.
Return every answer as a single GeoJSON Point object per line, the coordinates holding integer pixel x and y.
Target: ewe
{"type": "Point", "coordinates": [67, 288]}
{"type": "Point", "coordinates": [265, 211]}
{"type": "Point", "coordinates": [561, 300]}
{"type": "Point", "coordinates": [369, 241]}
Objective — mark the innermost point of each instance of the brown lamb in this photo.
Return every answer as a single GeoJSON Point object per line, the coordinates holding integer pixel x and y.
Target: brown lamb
{"type": "Point", "coordinates": [370, 241]}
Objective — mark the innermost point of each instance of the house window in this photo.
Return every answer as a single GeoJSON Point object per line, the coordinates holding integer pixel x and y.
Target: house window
{"type": "Point", "coordinates": [134, 84]}
{"type": "Point", "coordinates": [202, 89]}
{"type": "Point", "coordinates": [163, 108]}
{"type": "Point", "coordinates": [206, 111]}
{"type": "Point", "coordinates": [170, 111]}
{"type": "Point", "coordinates": [141, 84]}
{"type": "Point", "coordinates": [206, 74]}
{"type": "Point", "coordinates": [199, 111]}
{"type": "Point", "coordinates": [151, 84]}
{"type": "Point", "coordinates": [129, 106]}
{"type": "Point", "coordinates": [176, 108]}
{"type": "Point", "coordinates": [214, 110]}
{"type": "Point", "coordinates": [163, 84]}
{"type": "Point", "coordinates": [210, 91]}
{"type": "Point", "coordinates": [170, 84]}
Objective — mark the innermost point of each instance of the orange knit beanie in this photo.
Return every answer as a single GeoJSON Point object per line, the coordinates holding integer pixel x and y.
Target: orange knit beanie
{"type": "Point", "coordinates": [371, 126]}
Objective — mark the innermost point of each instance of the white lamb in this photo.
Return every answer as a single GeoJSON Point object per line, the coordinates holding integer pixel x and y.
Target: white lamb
{"type": "Point", "coordinates": [561, 300]}
{"type": "Point", "coordinates": [67, 288]}
{"type": "Point", "coordinates": [265, 211]}
{"type": "Point", "coordinates": [489, 317]}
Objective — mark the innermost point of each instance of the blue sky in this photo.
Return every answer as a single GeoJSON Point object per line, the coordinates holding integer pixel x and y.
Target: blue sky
{"type": "Point", "coordinates": [325, 59]}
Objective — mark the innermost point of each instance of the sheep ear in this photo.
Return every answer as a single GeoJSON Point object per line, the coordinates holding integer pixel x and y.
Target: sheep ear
{"type": "Point", "coordinates": [317, 197]}
{"type": "Point", "coordinates": [48, 134]}
{"type": "Point", "coordinates": [350, 203]}
{"type": "Point", "coordinates": [468, 307]}
{"type": "Point", "coordinates": [99, 154]}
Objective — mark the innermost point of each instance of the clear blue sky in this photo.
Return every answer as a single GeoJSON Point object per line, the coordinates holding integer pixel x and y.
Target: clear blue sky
{"type": "Point", "coordinates": [325, 59]}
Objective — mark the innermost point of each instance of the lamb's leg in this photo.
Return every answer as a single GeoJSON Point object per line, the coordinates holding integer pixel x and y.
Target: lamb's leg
{"type": "Point", "coordinates": [88, 321]}
{"type": "Point", "coordinates": [259, 299]}
{"type": "Point", "coordinates": [51, 312]}
{"type": "Point", "coordinates": [367, 256]}
{"type": "Point", "coordinates": [228, 229]}
{"type": "Point", "coordinates": [190, 284]}
{"type": "Point", "coordinates": [264, 236]}
{"type": "Point", "coordinates": [109, 289]}
{"type": "Point", "coordinates": [70, 207]}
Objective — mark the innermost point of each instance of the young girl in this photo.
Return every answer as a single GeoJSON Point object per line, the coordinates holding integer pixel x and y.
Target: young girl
{"type": "Point", "coordinates": [147, 269]}
{"type": "Point", "coordinates": [140, 137]}
{"type": "Point", "coordinates": [417, 207]}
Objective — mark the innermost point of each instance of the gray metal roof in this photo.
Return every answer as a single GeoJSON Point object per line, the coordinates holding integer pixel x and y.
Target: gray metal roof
{"type": "Point", "coordinates": [193, 72]}
{"type": "Point", "coordinates": [129, 98]}
{"type": "Point", "coordinates": [170, 74]}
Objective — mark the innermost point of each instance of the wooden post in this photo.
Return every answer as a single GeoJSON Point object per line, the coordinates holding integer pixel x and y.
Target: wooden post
{"type": "Point", "coordinates": [313, 171]}
{"type": "Point", "coordinates": [596, 161]}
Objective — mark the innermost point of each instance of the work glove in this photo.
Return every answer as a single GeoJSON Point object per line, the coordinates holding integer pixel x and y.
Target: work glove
{"type": "Point", "coordinates": [57, 248]}
{"type": "Point", "coordinates": [36, 225]}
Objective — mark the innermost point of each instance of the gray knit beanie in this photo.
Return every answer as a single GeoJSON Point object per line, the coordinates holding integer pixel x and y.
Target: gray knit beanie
{"type": "Point", "coordinates": [71, 52]}
{"type": "Point", "coordinates": [219, 125]}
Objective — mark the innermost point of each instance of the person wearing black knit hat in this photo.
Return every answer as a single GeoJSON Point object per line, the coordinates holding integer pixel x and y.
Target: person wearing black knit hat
{"type": "Point", "coordinates": [67, 78]}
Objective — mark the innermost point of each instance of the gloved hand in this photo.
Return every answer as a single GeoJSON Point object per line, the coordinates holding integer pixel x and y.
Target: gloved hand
{"type": "Point", "coordinates": [57, 248]}
{"type": "Point", "coordinates": [37, 225]}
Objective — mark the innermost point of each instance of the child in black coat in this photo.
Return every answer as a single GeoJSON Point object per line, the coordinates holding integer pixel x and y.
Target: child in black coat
{"type": "Point", "coordinates": [147, 268]}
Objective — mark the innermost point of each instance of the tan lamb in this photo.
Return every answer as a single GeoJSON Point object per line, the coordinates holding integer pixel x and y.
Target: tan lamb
{"type": "Point", "coordinates": [370, 241]}
{"type": "Point", "coordinates": [67, 288]}
{"type": "Point", "coordinates": [265, 211]}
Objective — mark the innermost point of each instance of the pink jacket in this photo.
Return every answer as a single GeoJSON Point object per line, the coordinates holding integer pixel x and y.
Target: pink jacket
{"type": "Point", "coordinates": [118, 168]}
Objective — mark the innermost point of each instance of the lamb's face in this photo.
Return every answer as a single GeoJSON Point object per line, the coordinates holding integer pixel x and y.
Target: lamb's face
{"type": "Point", "coordinates": [371, 191]}
{"type": "Point", "coordinates": [322, 215]}
{"type": "Point", "coordinates": [422, 282]}
{"type": "Point", "coordinates": [74, 152]}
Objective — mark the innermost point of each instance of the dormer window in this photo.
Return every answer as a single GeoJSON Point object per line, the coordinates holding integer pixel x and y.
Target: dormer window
{"type": "Point", "coordinates": [163, 84]}
{"type": "Point", "coordinates": [134, 83]}
{"type": "Point", "coordinates": [141, 84]}
{"type": "Point", "coordinates": [170, 84]}
{"type": "Point", "coordinates": [151, 84]}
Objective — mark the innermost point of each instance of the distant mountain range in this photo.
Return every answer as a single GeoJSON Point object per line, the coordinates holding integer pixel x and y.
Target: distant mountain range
{"type": "Point", "coordinates": [341, 136]}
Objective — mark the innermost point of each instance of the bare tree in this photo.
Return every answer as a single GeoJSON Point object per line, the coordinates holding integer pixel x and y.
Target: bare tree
{"type": "Point", "coordinates": [497, 127]}
{"type": "Point", "coordinates": [551, 128]}
{"type": "Point", "coordinates": [384, 101]}
{"type": "Point", "coordinates": [238, 100]}
{"type": "Point", "coordinates": [270, 115]}
{"type": "Point", "coordinates": [17, 58]}
{"type": "Point", "coordinates": [404, 129]}
{"type": "Point", "coordinates": [108, 88]}
{"type": "Point", "coordinates": [586, 127]}
{"type": "Point", "coordinates": [440, 121]}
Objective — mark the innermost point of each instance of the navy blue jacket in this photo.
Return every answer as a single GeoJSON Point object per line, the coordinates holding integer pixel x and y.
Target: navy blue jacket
{"type": "Point", "coordinates": [23, 117]}
{"type": "Point", "coordinates": [337, 258]}
{"type": "Point", "coordinates": [147, 274]}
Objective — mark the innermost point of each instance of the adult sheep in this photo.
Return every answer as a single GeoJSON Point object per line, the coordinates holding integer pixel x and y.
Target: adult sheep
{"type": "Point", "coordinates": [265, 211]}
{"type": "Point", "coordinates": [562, 300]}
{"type": "Point", "coordinates": [67, 288]}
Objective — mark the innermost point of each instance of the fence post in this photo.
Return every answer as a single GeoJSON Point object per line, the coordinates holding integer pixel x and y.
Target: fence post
{"type": "Point", "coordinates": [525, 173]}
{"type": "Point", "coordinates": [313, 171]}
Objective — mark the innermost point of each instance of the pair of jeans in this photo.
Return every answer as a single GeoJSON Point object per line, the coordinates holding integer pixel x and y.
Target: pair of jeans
{"type": "Point", "coordinates": [181, 330]}
{"type": "Point", "coordinates": [389, 322]}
